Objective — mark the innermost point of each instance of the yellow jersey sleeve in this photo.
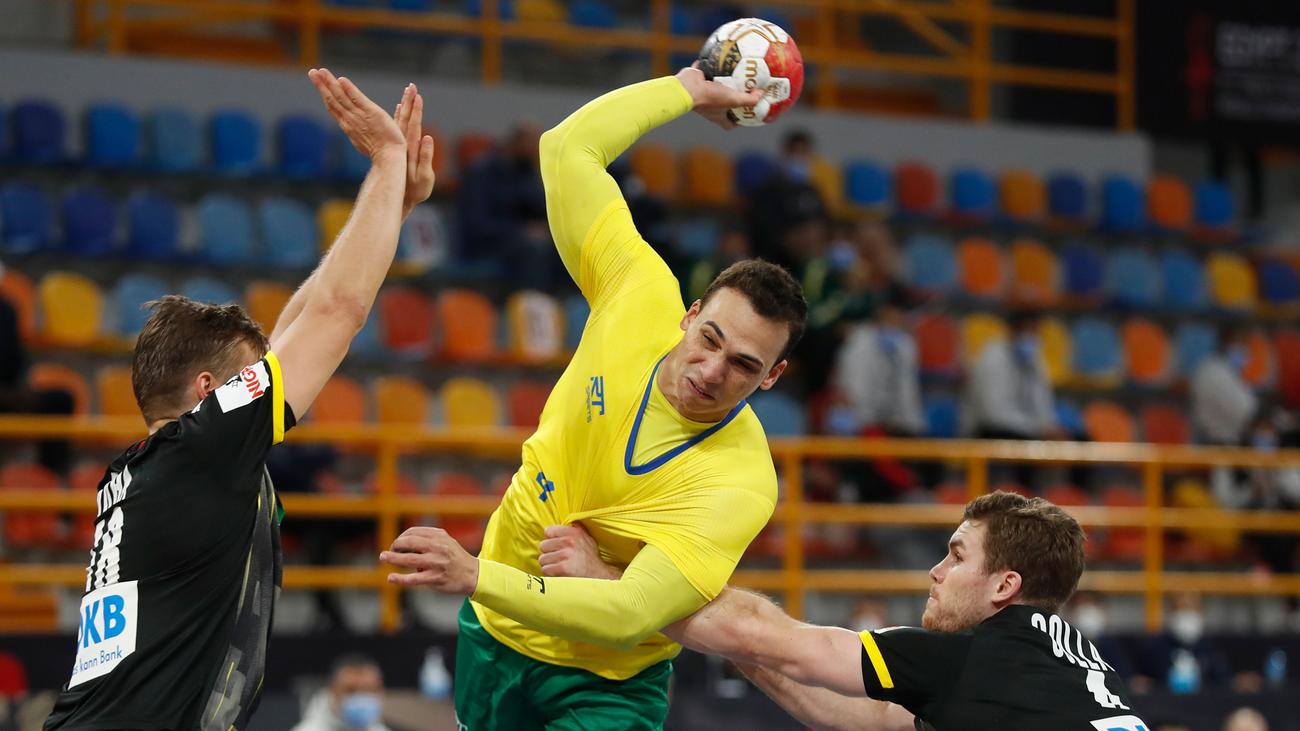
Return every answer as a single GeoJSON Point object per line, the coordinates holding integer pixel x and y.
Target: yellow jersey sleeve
{"type": "Point", "coordinates": [589, 218]}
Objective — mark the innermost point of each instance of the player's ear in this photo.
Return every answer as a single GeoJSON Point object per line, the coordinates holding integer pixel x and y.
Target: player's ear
{"type": "Point", "coordinates": [690, 315]}
{"type": "Point", "coordinates": [203, 384]}
{"type": "Point", "coordinates": [774, 374]}
{"type": "Point", "coordinates": [1008, 587]}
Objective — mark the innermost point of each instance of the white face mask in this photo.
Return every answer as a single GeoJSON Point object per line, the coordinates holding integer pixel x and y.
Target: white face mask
{"type": "Point", "coordinates": [1187, 626]}
{"type": "Point", "coordinates": [1090, 621]}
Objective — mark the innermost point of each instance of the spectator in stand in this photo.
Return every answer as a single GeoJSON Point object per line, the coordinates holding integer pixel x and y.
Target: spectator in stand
{"type": "Point", "coordinates": [18, 397]}
{"type": "Point", "coordinates": [1223, 404]}
{"type": "Point", "coordinates": [1181, 658]}
{"type": "Point", "coordinates": [1088, 615]}
{"type": "Point", "coordinates": [878, 254]}
{"type": "Point", "coordinates": [1264, 489]}
{"type": "Point", "coordinates": [1245, 719]}
{"type": "Point", "coordinates": [786, 213]}
{"type": "Point", "coordinates": [733, 246]}
{"type": "Point", "coordinates": [354, 700]}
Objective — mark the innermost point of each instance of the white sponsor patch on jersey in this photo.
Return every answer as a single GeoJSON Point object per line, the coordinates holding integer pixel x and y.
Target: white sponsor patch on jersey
{"type": "Point", "coordinates": [106, 636]}
{"type": "Point", "coordinates": [244, 389]}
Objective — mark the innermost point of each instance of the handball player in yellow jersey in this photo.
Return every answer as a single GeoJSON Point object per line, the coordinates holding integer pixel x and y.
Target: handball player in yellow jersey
{"type": "Point", "coordinates": [646, 441]}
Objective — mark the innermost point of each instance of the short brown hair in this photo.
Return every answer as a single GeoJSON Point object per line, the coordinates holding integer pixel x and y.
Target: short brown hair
{"type": "Point", "coordinates": [181, 339]}
{"type": "Point", "coordinates": [771, 291]}
{"type": "Point", "coordinates": [1034, 538]}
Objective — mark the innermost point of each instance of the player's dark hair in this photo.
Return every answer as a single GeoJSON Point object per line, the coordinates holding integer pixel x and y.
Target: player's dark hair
{"type": "Point", "coordinates": [352, 660]}
{"type": "Point", "coordinates": [771, 291]}
{"type": "Point", "coordinates": [1034, 538]}
{"type": "Point", "coordinates": [181, 339]}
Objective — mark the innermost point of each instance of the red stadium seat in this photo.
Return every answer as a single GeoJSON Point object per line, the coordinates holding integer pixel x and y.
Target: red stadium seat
{"type": "Point", "coordinates": [1107, 421]}
{"type": "Point", "coordinates": [937, 343]}
{"type": "Point", "coordinates": [13, 678]}
{"type": "Point", "coordinates": [1162, 424]}
{"type": "Point", "coordinates": [406, 321]}
{"type": "Point", "coordinates": [1287, 345]}
{"type": "Point", "coordinates": [1123, 544]}
{"type": "Point", "coordinates": [916, 188]}
{"type": "Point", "coordinates": [24, 529]}
{"type": "Point", "coordinates": [467, 531]}
{"type": "Point", "coordinates": [1169, 203]}
{"type": "Point", "coordinates": [85, 478]}
{"type": "Point", "coordinates": [524, 401]}
{"type": "Point", "coordinates": [470, 148]}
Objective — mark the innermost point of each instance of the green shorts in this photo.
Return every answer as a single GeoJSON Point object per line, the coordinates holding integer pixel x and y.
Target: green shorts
{"type": "Point", "coordinates": [498, 689]}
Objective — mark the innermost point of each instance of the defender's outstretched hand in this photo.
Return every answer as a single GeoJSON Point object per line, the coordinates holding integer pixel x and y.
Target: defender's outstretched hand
{"type": "Point", "coordinates": [713, 100]}
{"type": "Point", "coordinates": [419, 149]}
{"type": "Point", "coordinates": [367, 126]}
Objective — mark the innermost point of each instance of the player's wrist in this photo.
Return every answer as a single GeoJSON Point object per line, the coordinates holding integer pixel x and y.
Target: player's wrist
{"type": "Point", "coordinates": [393, 155]}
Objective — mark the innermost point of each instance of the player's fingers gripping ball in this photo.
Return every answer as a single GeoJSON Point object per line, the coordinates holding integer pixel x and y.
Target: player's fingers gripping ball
{"type": "Point", "coordinates": [752, 53]}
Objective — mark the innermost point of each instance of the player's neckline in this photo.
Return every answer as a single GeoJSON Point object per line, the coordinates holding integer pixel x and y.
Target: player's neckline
{"type": "Point", "coordinates": [636, 470]}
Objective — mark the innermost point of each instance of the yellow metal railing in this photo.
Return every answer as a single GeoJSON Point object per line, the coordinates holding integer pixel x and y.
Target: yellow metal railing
{"type": "Point", "coordinates": [793, 578]}
{"type": "Point", "coordinates": [958, 33]}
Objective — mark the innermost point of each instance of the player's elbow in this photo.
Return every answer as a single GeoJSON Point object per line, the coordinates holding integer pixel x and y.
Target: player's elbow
{"type": "Point", "coordinates": [346, 309]}
{"type": "Point", "coordinates": [550, 147]}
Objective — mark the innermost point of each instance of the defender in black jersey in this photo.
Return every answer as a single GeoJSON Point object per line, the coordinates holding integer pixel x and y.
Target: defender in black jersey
{"type": "Point", "coordinates": [993, 653]}
{"type": "Point", "coordinates": [185, 567]}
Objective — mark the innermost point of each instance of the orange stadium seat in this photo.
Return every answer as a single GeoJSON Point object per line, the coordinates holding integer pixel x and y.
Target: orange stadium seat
{"type": "Point", "coordinates": [536, 326]}
{"type": "Point", "coordinates": [406, 321]}
{"type": "Point", "coordinates": [57, 375]}
{"type": "Point", "coordinates": [828, 179]}
{"type": "Point", "coordinates": [30, 530]}
{"type": "Point", "coordinates": [18, 289]}
{"type": "Point", "coordinates": [1107, 421]}
{"type": "Point", "coordinates": [401, 400]}
{"type": "Point", "coordinates": [113, 391]}
{"type": "Point", "coordinates": [977, 330]}
{"type": "Point", "coordinates": [1169, 203]}
{"type": "Point", "coordinates": [983, 273]}
{"type": "Point", "coordinates": [330, 219]}
{"type": "Point", "coordinates": [264, 301]}
{"type": "Point", "coordinates": [341, 401]}
{"type": "Point", "coordinates": [1261, 367]}
{"type": "Point", "coordinates": [524, 402]}
{"type": "Point", "coordinates": [1164, 424]}
{"type": "Point", "coordinates": [936, 343]}
{"type": "Point", "coordinates": [71, 307]}
{"type": "Point", "coordinates": [1022, 195]}
{"type": "Point", "coordinates": [468, 322]}
{"type": "Point", "coordinates": [1147, 352]}
{"type": "Point", "coordinates": [951, 493]}
{"type": "Point", "coordinates": [1123, 544]}
{"type": "Point", "coordinates": [467, 531]}
{"type": "Point", "coordinates": [469, 402]}
{"type": "Point", "coordinates": [656, 167]}
{"type": "Point", "coordinates": [709, 177]}
{"type": "Point", "coordinates": [1035, 279]}
{"type": "Point", "coordinates": [1232, 282]}
{"type": "Point", "coordinates": [1058, 349]}
{"type": "Point", "coordinates": [541, 11]}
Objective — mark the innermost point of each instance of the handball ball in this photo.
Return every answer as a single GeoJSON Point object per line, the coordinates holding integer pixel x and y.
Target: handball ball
{"type": "Point", "coordinates": [753, 53]}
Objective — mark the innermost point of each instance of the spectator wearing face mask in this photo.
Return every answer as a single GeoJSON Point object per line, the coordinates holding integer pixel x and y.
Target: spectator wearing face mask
{"type": "Point", "coordinates": [1264, 488]}
{"type": "Point", "coordinates": [1088, 615]}
{"type": "Point", "coordinates": [1182, 658]}
{"type": "Point", "coordinates": [786, 213]}
{"type": "Point", "coordinates": [352, 702]}
{"type": "Point", "coordinates": [1223, 404]}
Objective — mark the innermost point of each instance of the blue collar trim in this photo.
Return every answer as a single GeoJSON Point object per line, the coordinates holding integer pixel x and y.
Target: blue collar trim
{"type": "Point", "coordinates": [661, 460]}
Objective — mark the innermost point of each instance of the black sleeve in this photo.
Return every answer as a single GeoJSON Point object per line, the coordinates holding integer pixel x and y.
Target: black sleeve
{"type": "Point", "coordinates": [231, 430]}
{"type": "Point", "coordinates": [911, 666]}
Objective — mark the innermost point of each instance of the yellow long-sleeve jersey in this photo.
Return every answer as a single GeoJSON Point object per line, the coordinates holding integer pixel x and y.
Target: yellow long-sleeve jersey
{"type": "Point", "coordinates": [675, 501]}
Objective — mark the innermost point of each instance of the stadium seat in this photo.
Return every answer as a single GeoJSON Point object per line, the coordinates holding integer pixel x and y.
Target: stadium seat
{"type": "Point", "coordinates": [697, 238]}
{"type": "Point", "coordinates": [1165, 424]}
{"type": "Point", "coordinates": [226, 230]}
{"type": "Point", "coordinates": [301, 142]}
{"type": "Point", "coordinates": [129, 296]}
{"type": "Point", "coordinates": [1067, 197]}
{"type": "Point", "coordinates": [541, 11]}
{"type": "Point", "coordinates": [709, 177]}
{"type": "Point", "coordinates": [1123, 544]}
{"type": "Point", "coordinates": [1183, 279]}
{"type": "Point", "coordinates": [368, 342]}
{"type": "Point", "coordinates": [942, 416]}
{"type": "Point", "coordinates": [401, 400]}
{"type": "Point", "coordinates": [1085, 270]}
{"type": "Point", "coordinates": [867, 184]}
{"type": "Point", "coordinates": [936, 344]}
{"type": "Point", "coordinates": [350, 165]}
{"type": "Point", "coordinates": [576, 311]}
{"type": "Point", "coordinates": [85, 478]}
{"type": "Point", "coordinates": [1169, 203]}
{"type": "Point", "coordinates": [524, 403]}
{"type": "Point", "coordinates": [1287, 346]}
{"type": "Point", "coordinates": [412, 6]}
{"type": "Point", "coordinates": [236, 142]}
{"type": "Point", "coordinates": [1069, 496]}
{"type": "Point", "coordinates": [467, 531]}
{"type": "Point", "coordinates": [72, 308]}
{"type": "Point", "coordinates": [1022, 196]}
{"type": "Point", "coordinates": [971, 194]}
{"type": "Point", "coordinates": [828, 179]}
{"type": "Point", "coordinates": [341, 401]}
{"type": "Point", "coordinates": [536, 326]}
{"type": "Point", "coordinates": [1035, 274]}
{"type": "Point", "coordinates": [57, 375]}
{"type": "Point", "coordinates": [978, 329]}
{"type": "Point", "coordinates": [424, 242]}
{"type": "Point", "coordinates": [112, 136]}
{"type": "Point", "coordinates": [1134, 279]}
{"type": "Point", "coordinates": [406, 321]}
{"type": "Point", "coordinates": [26, 219]}
{"type": "Point", "coordinates": [153, 226]}
{"type": "Point", "coordinates": [331, 217]}
{"type": "Point", "coordinates": [1214, 205]}
{"type": "Point", "coordinates": [1123, 205]}
{"type": "Point", "coordinates": [264, 301]}
{"type": "Point", "coordinates": [1058, 349]}
{"type": "Point", "coordinates": [983, 273]}
{"type": "Point", "coordinates": [1069, 418]}
{"type": "Point", "coordinates": [28, 530]}
{"type": "Point", "coordinates": [780, 414]}
{"type": "Point", "coordinates": [1232, 282]}
{"type": "Point", "coordinates": [287, 228]}
{"type": "Point", "coordinates": [469, 402]}
{"type": "Point", "coordinates": [470, 147]}
{"type": "Point", "coordinates": [1193, 342]}
{"type": "Point", "coordinates": [951, 493]}
{"type": "Point", "coordinates": [175, 142]}
{"type": "Point", "coordinates": [655, 165]}
{"type": "Point", "coordinates": [89, 222]}
{"type": "Point", "coordinates": [916, 188]}
{"type": "Point", "coordinates": [38, 129]}
{"type": "Point", "coordinates": [468, 324]}
{"type": "Point", "coordinates": [1107, 421]}
{"type": "Point", "coordinates": [930, 263]}
{"type": "Point", "coordinates": [1147, 354]}
{"type": "Point", "coordinates": [18, 289]}
{"type": "Point", "coordinates": [114, 394]}
{"type": "Point", "coordinates": [752, 170]}
{"type": "Point", "coordinates": [1278, 282]}
{"type": "Point", "coordinates": [207, 289]}
{"type": "Point", "coordinates": [505, 9]}
{"type": "Point", "coordinates": [1097, 353]}
{"type": "Point", "coordinates": [1261, 365]}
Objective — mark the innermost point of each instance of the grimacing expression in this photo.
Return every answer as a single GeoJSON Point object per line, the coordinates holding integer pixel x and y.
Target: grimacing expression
{"type": "Point", "coordinates": [728, 352]}
{"type": "Point", "coordinates": [962, 593]}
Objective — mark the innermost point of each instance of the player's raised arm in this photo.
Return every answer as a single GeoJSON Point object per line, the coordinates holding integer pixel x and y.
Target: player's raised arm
{"type": "Point", "coordinates": [589, 219]}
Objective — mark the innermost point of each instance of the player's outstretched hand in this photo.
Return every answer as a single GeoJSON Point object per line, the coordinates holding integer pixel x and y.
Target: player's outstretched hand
{"type": "Point", "coordinates": [367, 126]}
{"type": "Point", "coordinates": [419, 149]}
{"type": "Point", "coordinates": [569, 550]}
{"type": "Point", "coordinates": [713, 100]}
{"type": "Point", "coordinates": [436, 560]}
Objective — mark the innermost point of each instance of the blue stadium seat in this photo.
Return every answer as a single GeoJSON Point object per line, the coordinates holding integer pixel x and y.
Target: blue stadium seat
{"type": "Point", "coordinates": [1214, 205]}
{"type": "Point", "coordinates": [368, 341]}
{"type": "Point", "coordinates": [301, 142]}
{"type": "Point", "coordinates": [1278, 283]}
{"type": "Point", "coordinates": [38, 132]}
{"type": "Point", "coordinates": [576, 311]}
{"type": "Point", "coordinates": [226, 230]}
{"type": "Point", "coordinates": [209, 290]}
{"type": "Point", "coordinates": [1134, 279]}
{"type": "Point", "coordinates": [867, 183]}
{"type": "Point", "coordinates": [236, 142]}
{"type": "Point", "coordinates": [1184, 280]}
{"type": "Point", "coordinates": [698, 237]}
{"type": "Point", "coordinates": [1193, 342]}
{"type": "Point", "coordinates": [753, 168]}
{"type": "Point", "coordinates": [592, 14]}
{"type": "Point", "coordinates": [972, 193]}
{"type": "Point", "coordinates": [132, 291]}
{"type": "Point", "coordinates": [1069, 418]}
{"type": "Point", "coordinates": [505, 9]}
{"type": "Point", "coordinates": [410, 6]}
{"type": "Point", "coordinates": [26, 218]}
{"type": "Point", "coordinates": [1067, 196]}
{"type": "Point", "coordinates": [776, 16]}
{"type": "Point", "coordinates": [349, 164]}
{"type": "Point", "coordinates": [1097, 350]}
{"type": "Point", "coordinates": [1123, 204]}
{"type": "Point", "coordinates": [288, 233]}
{"type": "Point", "coordinates": [781, 415]}
{"type": "Point", "coordinates": [931, 264]}
{"type": "Point", "coordinates": [680, 20]}
{"type": "Point", "coordinates": [175, 142]}
{"type": "Point", "coordinates": [710, 17]}
{"type": "Point", "coordinates": [1085, 269]}
{"type": "Point", "coordinates": [89, 221]}
{"type": "Point", "coordinates": [154, 226]}
{"type": "Point", "coordinates": [4, 131]}
{"type": "Point", "coordinates": [112, 135]}
{"type": "Point", "coordinates": [942, 416]}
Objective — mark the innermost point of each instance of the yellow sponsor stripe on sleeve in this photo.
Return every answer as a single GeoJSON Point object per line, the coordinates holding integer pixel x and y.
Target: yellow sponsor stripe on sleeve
{"type": "Point", "coordinates": [277, 399]}
{"type": "Point", "coordinates": [877, 660]}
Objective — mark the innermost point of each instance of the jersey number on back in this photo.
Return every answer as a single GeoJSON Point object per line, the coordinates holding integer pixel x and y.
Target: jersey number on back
{"type": "Point", "coordinates": [1120, 723]}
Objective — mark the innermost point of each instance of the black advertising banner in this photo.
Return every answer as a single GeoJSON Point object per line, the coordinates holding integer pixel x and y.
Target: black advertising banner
{"type": "Point", "coordinates": [1224, 69]}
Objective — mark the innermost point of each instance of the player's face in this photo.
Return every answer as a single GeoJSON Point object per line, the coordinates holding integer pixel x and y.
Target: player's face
{"type": "Point", "coordinates": [728, 352]}
{"type": "Point", "coordinates": [961, 592]}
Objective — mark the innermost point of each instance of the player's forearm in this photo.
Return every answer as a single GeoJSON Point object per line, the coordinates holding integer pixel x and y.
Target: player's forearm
{"type": "Point", "coordinates": [825, 710]}
{"type": "Point", "coordinates": [738, 625]}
